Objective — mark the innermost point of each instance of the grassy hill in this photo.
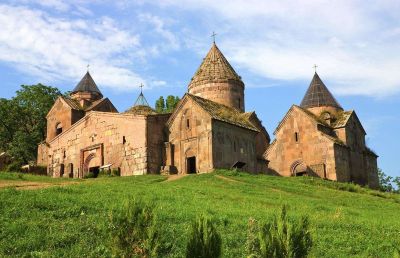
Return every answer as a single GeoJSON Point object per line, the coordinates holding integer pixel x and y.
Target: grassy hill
{"type": "Point", "coordinates": [72, 219]}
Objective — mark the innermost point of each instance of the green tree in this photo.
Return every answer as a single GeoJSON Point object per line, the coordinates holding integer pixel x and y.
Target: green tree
{"type": "Point", "coordinates": [385, 181]}
{"type": "Point", "coordinates": [23, 120]}
{"type": "Point", "coordinates": [160, 105]}
{"type": "Point", "coordinates": [168, 105]}
{"type": "Point", "coordinates": [396, 181]}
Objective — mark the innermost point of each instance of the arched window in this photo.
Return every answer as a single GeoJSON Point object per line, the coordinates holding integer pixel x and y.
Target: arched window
{"type": "Point", "coordinates": [58, 128]}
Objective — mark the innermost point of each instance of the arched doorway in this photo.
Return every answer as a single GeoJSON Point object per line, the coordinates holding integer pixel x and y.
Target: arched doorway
{"type": "Point", "coordinates": [91, 165]}
{"type": "Point", "coordinates": [299, 168]}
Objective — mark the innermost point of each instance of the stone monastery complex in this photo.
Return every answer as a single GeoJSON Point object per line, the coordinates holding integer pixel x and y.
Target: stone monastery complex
{"type": "Point", "coordinates": [209, 129]}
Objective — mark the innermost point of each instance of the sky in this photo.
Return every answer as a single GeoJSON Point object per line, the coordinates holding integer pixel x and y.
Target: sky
{"type": "Point", "coordinates": [272, 44]}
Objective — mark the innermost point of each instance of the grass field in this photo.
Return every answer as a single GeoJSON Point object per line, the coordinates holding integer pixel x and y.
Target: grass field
{"type": "Point", "coordinates": [71, 220]}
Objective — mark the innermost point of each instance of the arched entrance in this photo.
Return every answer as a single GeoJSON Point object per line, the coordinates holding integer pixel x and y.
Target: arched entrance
{"type": "Point", "coordinates": [92, 165]}
{"type": "Point", "coordinates": [298, 168]}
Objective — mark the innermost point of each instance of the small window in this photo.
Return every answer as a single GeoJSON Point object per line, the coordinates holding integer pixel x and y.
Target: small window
{"type": "Point", "coordinates": [296, 137]}
{"type": "Point", "coordinates": [234, 146]}
{"type": "Point", "coordinates": [58, 128]}
{"type": "Point", "coordinates": [123, 140]}
{"type": "Point", "coordinates": [187, 123]}
{"type": "Point", "coordinates": [65, 154]}
{"type": "Point", "coordinates": [239, 102]}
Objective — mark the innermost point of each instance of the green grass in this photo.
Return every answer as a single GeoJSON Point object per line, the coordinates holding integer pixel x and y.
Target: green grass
{"type": "Point", "coordinates": [72, 221]}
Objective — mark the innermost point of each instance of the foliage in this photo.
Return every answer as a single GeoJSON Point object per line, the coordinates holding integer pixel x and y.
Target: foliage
{"type": "Point", "coordinates": [134, 232]}
{"type": "Point", "coordinates": [281, 238]}
{"type": "Point", "coordinates": [385, 182]}
{"type": "Point", "coordinates": [89, 175]}
{"type": "Point", "coordinates": [23, 121]}
{"type": "Point", "coordinates": [72, 220]}
{"type": "Point", "coordinates": [204, 240]}
{"type": "Point", "coordinates": [167, 106]}
{"type": "Point", "coordinates": [160, 105]}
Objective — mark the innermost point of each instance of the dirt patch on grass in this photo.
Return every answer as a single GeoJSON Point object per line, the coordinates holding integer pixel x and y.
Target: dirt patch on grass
{"type": "Point", "coordinates": [175, 177]}
{"type": "Point", "coordinates": [227, 179]}
{"type": "Point", "coordinates": [30, 185]}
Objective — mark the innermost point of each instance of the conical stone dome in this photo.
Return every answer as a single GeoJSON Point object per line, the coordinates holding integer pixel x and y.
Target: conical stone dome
{"type": "Point", "coordinates": [216, 80]}
{"type": "Point", "coordinates": [318, 95]}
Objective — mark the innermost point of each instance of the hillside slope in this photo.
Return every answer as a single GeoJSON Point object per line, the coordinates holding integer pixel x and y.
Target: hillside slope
{"type": "Point", "coordinates": [72, 220]}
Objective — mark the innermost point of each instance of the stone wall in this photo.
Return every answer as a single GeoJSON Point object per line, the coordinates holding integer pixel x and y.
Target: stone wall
{"type": "Point", "coordinates": [60, 113]}
{"type": "Point", "coordinates": [101, 139]}
{"type": "Point", "coordinates": [190, 136]}
{"type": "Point", "coordinates": [228, 93]}
{"type": "Point", "coordinates": [300, 146]}
{"type": "Point", "coordinates": [232, 144]}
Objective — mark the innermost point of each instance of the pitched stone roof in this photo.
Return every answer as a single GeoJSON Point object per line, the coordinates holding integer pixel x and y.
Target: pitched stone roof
{"type": "Point", "coordinates": [74, 104]}
{"type": "Point", "coordinates": [342, 119]}
{"type": "Point", "coordinates": [215, 68]}
{"type": "Point", "coordinates": [87, 84]}
{"type": "Point", "coordinates": [141, 110]}
{"type": "Point", "coordinates": [224, 113]}
{"type": "Point", "coordinates": [318, 95]}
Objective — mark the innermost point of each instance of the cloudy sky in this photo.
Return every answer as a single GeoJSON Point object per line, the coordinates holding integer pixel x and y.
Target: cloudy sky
{"type": "Point", "coordinates": [272, 44]}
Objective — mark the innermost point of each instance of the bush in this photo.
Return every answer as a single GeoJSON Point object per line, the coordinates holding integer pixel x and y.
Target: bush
{"type": "Point", "coordinates": [134, 232]}
{"type": "Point", "coordinates": [14, 167]}
{"type": "Point", "coordinates": [204, 240]}
{"type": "Point", "coordinates": [280, 239]}
{"type": "Point", "coordinates": [115, 172]}
{"type": "Point", "coordinates": [89, 175]}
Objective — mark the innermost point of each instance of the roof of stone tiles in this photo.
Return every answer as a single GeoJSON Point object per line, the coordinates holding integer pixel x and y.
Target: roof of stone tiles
{"type": "Point", "coordinates": [224, 113]}
{"type": "Point", "coordinates": [87, 84]}
{"type": "Point", "coordinates": [341, 119]}
{"type": "Point", "coordinates": [318, 95]}
{"type": "Point", "coordinates": [215, 68]}
{"type": "Point", "coordinates": [141, 110]}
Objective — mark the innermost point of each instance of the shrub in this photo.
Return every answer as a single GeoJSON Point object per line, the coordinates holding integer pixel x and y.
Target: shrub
{"type": "Point", "coordinates": [89, 175]}
{"type": "Point", "coordinates": [204, 240]}
{"type": "Point", "coordinates": [115, 172]}
{"type": "Point", "coordinates": [134, 232]}
{"type": "Point", "coordinates": [280, 239]}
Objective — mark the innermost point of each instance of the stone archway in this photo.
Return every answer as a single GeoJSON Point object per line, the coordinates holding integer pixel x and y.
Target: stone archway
{"type": "Point", "coordinates": [92, 164]}
{"type": "Point", "coordinates": [299, 168]}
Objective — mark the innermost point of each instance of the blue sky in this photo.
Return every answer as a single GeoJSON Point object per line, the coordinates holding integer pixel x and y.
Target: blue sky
{"type": "Point", "coordinates": [271, 44]}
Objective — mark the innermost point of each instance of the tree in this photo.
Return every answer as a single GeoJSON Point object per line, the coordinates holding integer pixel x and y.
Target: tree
{"type": "Point", "coordinates": [385, 181]}
{"type": "Point", "coordinates": [166, 106]}
{"type": "Point", "coordinates": [23, 120]}
{"type": "Point", "coordinates": [160, 105]}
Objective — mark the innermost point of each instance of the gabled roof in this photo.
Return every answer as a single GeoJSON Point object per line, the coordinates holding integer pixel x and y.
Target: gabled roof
{"type": "Point", "coordinates": [218, 112]}
{"type": "Point", "coordinates": [318, 95]}
{"type": "Point", "coordinates": [87, 84]}
{"type": "Point", "coordinates": [141, 110]}
{"type": "Point", "coordinates": [214, 68]}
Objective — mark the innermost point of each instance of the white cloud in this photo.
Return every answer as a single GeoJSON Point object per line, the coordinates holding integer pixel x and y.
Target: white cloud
{"type": "Point", "coordinates": [354, 42]}
{"type": "Point", "coordinates": [57, 49]}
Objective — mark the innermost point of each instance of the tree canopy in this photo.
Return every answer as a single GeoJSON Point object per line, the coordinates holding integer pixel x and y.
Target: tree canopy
{"type": "Point", "coordinates": [167, 106]}
{"type": "Point", "coordinates": [23, 121]}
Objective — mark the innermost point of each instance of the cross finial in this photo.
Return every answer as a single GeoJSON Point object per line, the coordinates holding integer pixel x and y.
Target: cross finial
{"type": "Point", "coordinates": [315, 68]}
{"type": "Point", "coordinates": [88, 67]}
{"type": "Point", "coordinates": [213, 36]}
{"type": "Point", "coordinates": [141, 87]}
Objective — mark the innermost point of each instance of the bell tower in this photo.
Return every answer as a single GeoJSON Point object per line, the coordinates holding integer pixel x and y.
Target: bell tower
{"type": "Point", "coordinates": [216, 80]}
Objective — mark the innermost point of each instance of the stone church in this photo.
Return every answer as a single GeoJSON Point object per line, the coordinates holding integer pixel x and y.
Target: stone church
{"type": "Point", "coordinates": [209, 129]}
{"type": "Point", "coordinates": [318, 138]}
